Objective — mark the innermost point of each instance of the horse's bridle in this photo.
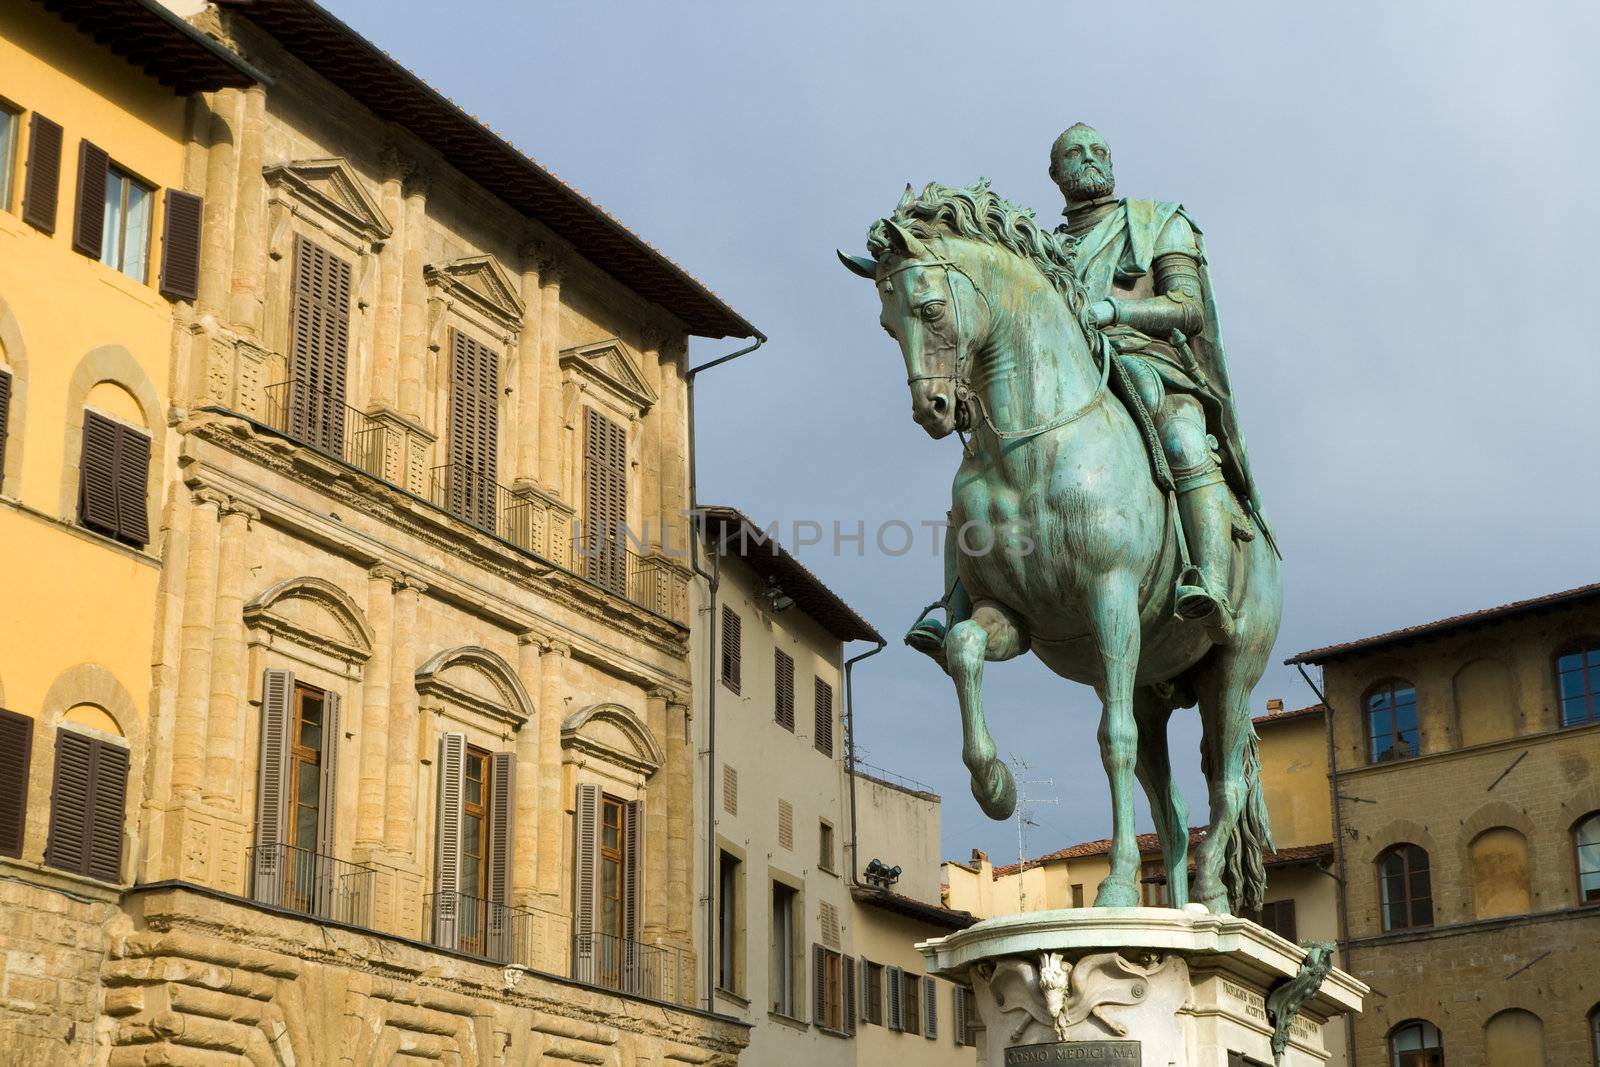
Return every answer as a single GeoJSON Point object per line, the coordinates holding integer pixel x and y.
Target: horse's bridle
{"type": "Point", "coordinates": [961, 377]}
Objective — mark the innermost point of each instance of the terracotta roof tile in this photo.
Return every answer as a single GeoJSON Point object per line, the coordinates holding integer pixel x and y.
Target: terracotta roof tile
{"type": "Point", "coordinates": [1274, 718]}
{"type": "Point", "coordinates": [1149, 844]}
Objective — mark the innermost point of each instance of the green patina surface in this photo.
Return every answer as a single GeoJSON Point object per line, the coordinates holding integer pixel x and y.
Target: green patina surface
{"type": "Point", "coordinates": [1104, 516]}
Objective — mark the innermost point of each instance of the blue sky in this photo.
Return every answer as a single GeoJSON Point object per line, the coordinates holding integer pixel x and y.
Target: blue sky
{"type": "Point", "coordinates": [1395, 202]}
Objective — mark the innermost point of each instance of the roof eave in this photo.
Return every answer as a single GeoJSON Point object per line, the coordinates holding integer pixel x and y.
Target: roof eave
{"type": "Point", "coordinates": [184, 59]}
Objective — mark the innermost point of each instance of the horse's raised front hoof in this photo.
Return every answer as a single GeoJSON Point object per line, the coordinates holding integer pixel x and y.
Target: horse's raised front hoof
{"type": "Point", "coordinates": [1117, 894]}
{"type": "Point", "coordinates": [995, 791]}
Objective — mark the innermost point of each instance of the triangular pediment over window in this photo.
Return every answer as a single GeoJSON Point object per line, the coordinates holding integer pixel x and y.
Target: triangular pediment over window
{"type": "Point", "coordinates": [332, 186]}
{"type": "Point", "coordinates": [612, 364]}
{"type": "Point", "coordinates": [481, 282]}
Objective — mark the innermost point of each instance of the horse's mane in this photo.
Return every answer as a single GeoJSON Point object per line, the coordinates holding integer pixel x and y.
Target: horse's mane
{"type": "Point", "coordinates": [978, 213]}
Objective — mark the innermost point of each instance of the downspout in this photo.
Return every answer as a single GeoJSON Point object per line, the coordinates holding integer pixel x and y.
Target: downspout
{"type": "Point", "coordinates": [713, 579]}
{"type": "Point", "coordinates": [1338, 851]}
{"type": "Point", "coordinates": [850, 739]}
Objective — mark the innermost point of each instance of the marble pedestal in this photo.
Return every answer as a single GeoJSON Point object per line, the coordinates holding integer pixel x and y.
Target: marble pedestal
{"type": "Point", "coordinates": [1154, 987]}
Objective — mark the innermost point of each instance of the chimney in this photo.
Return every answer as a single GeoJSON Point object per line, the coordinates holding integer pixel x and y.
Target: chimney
{"type": "Point", "coordinates": [979, 857]}
{"type": "Point", "coordinates": [1275, 706]}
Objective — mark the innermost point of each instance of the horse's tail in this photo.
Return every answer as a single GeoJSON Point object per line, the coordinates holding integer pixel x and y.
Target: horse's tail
{"type": "Point", "coordinates": [1245, 872]}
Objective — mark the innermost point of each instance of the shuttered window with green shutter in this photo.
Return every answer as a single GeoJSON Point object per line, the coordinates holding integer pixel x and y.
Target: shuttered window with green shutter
{"type": "Point", "coordinates": [88, 796]}
{"type": "Point", "coordinates": [16, 757]}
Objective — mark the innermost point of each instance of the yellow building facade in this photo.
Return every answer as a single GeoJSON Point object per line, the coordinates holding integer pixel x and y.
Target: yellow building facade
{"type": "Point", "coordinates": [398, 748]}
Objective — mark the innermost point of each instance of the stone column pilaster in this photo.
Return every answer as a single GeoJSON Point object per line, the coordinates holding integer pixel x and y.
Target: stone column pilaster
{"type": "Point", "coordinates": [657, 841]}
{"type": "Point", "coordinates": [530, 817]}
{"type": "Point", "coordinates": [225, 730]}
{"type": "Point", "coordinates": [674, 434]}
{"type": "Point", "coordinates": [552, 269]}
{"type": "Point", "coordinates": [249, 266]}
{"type": "Point", "coordinates": [194, 664]}
{"type": "Point", "coordinates": [530, 372]}
{"type": "Point", "coordinates": [377, 677]}
{"type": "Point", "coordinates": [652, 445]}
{"type": "Point", "coordinates": [400, 831]}
{"type": "Point", "coordinates": [552, 709]}
{"type": "Point", "coordinates": [414, 298]}
{"type": "Point", "coordinates": [222, 190]}
{"type": "Point", "coordinates": [680, 815]}
{"type": "Point", "coordinates": [386, 342]}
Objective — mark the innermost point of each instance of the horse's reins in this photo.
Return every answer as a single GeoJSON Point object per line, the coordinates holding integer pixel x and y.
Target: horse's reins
{"type": "Point", "coordinates": [961, 378]}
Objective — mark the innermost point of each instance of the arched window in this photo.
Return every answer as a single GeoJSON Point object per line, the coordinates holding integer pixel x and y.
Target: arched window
{"type": "Point", "coordinates": [1392, 721]}
{"type": "Point", "coordinates": [1416, 1043]}
{"type": "Point", "coordinates": [1578, 679]}
{"type": "Point", "coordinates": [1405, 888]}
{"type": "Point", "coordinates": [1514, 1038]}
{"type": "Point", "coordinates": [1500, 883]}
{"type": "Point", "coordinates": [1586, 836]}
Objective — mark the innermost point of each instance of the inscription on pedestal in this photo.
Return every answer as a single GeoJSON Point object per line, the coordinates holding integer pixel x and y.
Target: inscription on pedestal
{"type": "Point", "coordinates": [1121, 1053]}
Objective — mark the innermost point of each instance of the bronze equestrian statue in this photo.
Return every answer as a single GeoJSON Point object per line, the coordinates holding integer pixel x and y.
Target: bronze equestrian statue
{"type": "Point", "coordinates": [1103, 515]}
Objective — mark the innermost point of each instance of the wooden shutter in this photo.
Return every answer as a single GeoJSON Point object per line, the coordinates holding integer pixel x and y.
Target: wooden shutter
{"type": "Point", "coordinates": [730, 789]}
{"type": "Point", "coordinates": [847, 972]}
{"type": "Point", "coordinates": [180, 245]}
{"type": "Point", "coordinates": [605, 501]}
{"type": "Point", "coordinates": [897, 1020]}
{"type": "Point", "coordinates": [97, 473]}
{"type": "Point", "coordinates": [5, 414]}
{"type": "Point", "coordinates": [633, 870]}
{"type": "Point", "coordinates": [89, 213]}
{"type": "Point", "coordinates": [474, 429]}
{"type": "Point", "coordinates": [824, 717]}
{"type": "Point", "coordinates": [108, 782]}
{"type": "Point", "coordinates": [959, 1008]}
{"type": "Point", "coordinates": [16, 756]}
{"type": "Point", "coordinates": [732, 640]}
{"type": "Point", "coordinates": [332, 735]}
{"type": "Point", "coordinates": [502, 810]}
{"type": "Point", "coordinates": [783, 688]}
{"type": "Point", "coordinates": [87, 805]}
{"type": "Point", "coordinates": [866, 989]}
{"type": "Point", "coordinates": [132, 476]}
{"type": "Point", "coordinates": [447, 860]}
{"type": "Point", "coordinates": [42, 187]}
{"type": "Point", "coordinates": [819, 985]}
{"type": "Point", "coordinates": [586, 880]}
{"type": "Point", "coordinates": [272, 783]}
{"type": "Point", "coordinates": [318, 346]}
{"type": "Point", "coordinates": [930, 1009]}
{"type": "Point", "coordinates": [785, 825]}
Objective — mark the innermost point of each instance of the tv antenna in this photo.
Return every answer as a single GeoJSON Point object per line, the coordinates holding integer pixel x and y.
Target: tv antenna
{"type": "Point", "coordinates": [1026, 821]}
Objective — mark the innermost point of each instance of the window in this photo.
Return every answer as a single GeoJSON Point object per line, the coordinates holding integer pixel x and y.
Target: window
{"type": "Point", "coordinates": [114, 469]}
{"type": "Point", "coordinates": [896, 980]}
{"type": "Point", "coordinates": [727, 923]}
{"type": "Point", "coordinates": [472, 876]}
{"type": "Point", "coordinates": [605, 502]}
{"type": "Point", "coordinates": [930, 1008]}
{"type": "Point", "coordinates": [305, 795]}
{"type": "Point", "coordinates": [125, 230]}
{"type": "Point", "coordinates": [1279, 917]}
{"type": "Point", "coordinates": [1500, 873]}
{"type": "Point", "coordinates": [88, 796]}
{"type": "Point", "coordinates": [872, 992]}
{"type": "Point", "coordinates": [832, 975]}
{"type": "Point", "coordinates": [16, 754]}
{"type": "Point", "coordinates": [1514, 1038]}
{"type": "Point", "coordinates": [782, 949]}
{"type": "Point", "coordinates": [474, 849]}
{"type": "Point", "coordinates": [474, 431]}
{"type": "Point", "coordinates": [825, 846]}
{"type": "Point", "coordinates": [910, 1003]}
{"type": "Point", "coordinates": [823, 698]}
{"type": "Point", "coordinates": [611, 861]}
{"type": "Point", "coordinates": [1586, 836]}
{"type": "Point", "coordinates": [1578, 678]}
{"type": "Point", "coordinates": [1392, 722]}
{"type": "Point", "coordinates": [731, 626]}
{"type": "Point", "coordinates": [609, 912]}
{"type": "Point", "coordinates": [5, 415]}
{"type": "Point", "coordinates": [291, 863]}
{"type": "Point", "coordinates": [783, 689]}
{"type": "Point", "coordinates": [1416, 1044]}
{"type": "Point", "coordinates": [1153, 884]}
{"type": "Point", "coordinates": [1406, 892]}
{"type": "Point", "coordinates": [319, 343]}
{"type": "Point", "coordinates": [41, 189]}
{"type": "Point", "coordinates": [964, 1032]}
{"type": "Point", "coordinates": [1077, 894]}
{"type": "Point", "coordinates": [1594, 1031]}
{"type": "Point", "coordinates": [10, 123]}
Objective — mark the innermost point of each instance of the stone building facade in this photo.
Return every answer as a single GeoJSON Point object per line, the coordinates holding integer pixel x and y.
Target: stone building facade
{"type": "Point", "coordinates": [1468, 824]}
{"type": "Point", "coordinates": [414, 779]}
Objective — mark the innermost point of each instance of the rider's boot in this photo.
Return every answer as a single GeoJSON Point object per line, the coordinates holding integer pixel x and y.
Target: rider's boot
{"type": "Point", "coordinates": [1202, 593]}
{"type": "Point", "coordinates": [927, 637]}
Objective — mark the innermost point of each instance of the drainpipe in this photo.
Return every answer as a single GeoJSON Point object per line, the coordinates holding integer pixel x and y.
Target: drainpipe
{"type": "Point", "coordinates": [1338, 851]}
{"type": "Point", "coordinates": [850, 739]}
{"type": "Point", "coordinates": [713, 580]}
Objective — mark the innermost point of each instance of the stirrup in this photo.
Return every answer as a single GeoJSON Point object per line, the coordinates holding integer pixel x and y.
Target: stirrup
{"type": "Point", "coordinates": [927, 637]}
{"type": "Point", "coordinates": [1193, 601]}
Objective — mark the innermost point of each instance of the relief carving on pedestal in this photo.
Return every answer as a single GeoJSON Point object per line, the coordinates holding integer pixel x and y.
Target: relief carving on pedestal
{"type": "Point", "coordinates": [1070, 998]}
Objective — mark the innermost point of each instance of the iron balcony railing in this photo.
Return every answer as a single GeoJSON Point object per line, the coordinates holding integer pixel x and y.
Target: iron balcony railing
{"type": "Point", "coordinates": [646, 580]}
{"type": "Point", "coordinates": [311, 883]}
{"type": "Point", "coordinates": [325, 422]}
{"type": "Point", "coordinates": [475, 498]}
{"type": "Point", "coordinates": [479, 927]}
{"type": "Point", "coordinates": [659, 972]}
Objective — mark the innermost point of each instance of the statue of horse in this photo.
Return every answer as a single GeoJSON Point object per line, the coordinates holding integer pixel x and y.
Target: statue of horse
{"type": "Point", "coordinates": [1067, 545]}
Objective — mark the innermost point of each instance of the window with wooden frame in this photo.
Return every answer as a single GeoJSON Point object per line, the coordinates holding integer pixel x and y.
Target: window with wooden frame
{"type": "Point", "coordinates": [822, 697]}
{"type": "Point", "coordinates": [825, 845]}
{"type": "Point", "coordinates": [605, 502]}
{"type": "Point", "coordinates": [1586, 842]}
{"type": "Point", "coordinates": [113, 478]}
{"type": "Point", "coordinates": [88, 798]}
{"type": "Point", "coordinates": [16, 758]}
{"type": "Point", "coordinates": [732, 638]}
{"type": "Point", "coordinates": [783, 689]}
{"type": "Point", "coordinates": [472, 880]}
{"type": "Point", "coordinates": [911, 1003]}
{"type": "Point", "coordinates": [609, 902]}
{"type": "Point", "coordinates": [305, 794]}
{"type": "Point", "coordinates": [474, 431]}
{"type": "Point", "coordinates": [474, 848]}
{"type": "Point", "coordinates": [967, 1023]}
{"type": "Point", "coordinates": [1392, 721]}
{"type": "Point", "coordinates": [1153, 884]}
{"type": "Point", "coordinates": [1405, 888]}
{"type": "Point", "coordinates": [10, 127]}
{"type": "Point", "coordinates": [833, 991]}
{"type": "Point", "coordinates": [782, 949]}
{"type": "Point", "coordinates": [1578, 684]}
{"type": "Point", "coordinates": [729, 943]}
{"type": "Point", "coordinates": [319, 347]}
{"type": "Point", "coordinates": [292, 863]}
{"type": "Point", "coordinates": [1277, 916]}
{"type": "Point", "coordinates": [871, 992]}
{"type": "Point", "coordinates": [1416, 1043]}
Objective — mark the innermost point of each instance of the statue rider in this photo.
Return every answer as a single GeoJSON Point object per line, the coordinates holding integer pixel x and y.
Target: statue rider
{"type": "Point", "coordinates": [1143, 267]}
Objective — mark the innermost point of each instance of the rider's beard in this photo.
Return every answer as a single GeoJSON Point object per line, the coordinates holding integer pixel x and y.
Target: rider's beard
{"type": "Point", "coordinates": [1090, 182]}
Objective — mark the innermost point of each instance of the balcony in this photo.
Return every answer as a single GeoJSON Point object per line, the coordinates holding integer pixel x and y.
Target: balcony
{"type": "Point", "coordinates": [329, 425]}
{"type": "Point", "coordinates": [658, 972]}
{"type": "Point", "coordinates": [311, 883]}
{"type": "Point", "coordinates": [480, 927]}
